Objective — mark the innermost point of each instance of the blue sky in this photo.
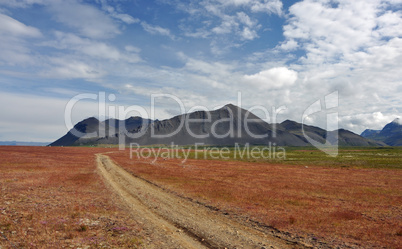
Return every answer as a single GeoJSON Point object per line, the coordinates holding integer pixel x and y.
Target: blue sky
{"type": "Point", "coordinates": [275, 53]}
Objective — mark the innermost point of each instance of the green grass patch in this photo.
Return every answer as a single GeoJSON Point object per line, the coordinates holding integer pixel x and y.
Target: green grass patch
{"type": "Point", "coordinates": [348, 157]}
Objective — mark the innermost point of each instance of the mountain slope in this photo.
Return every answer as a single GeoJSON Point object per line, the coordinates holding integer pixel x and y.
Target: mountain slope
{"type": "Point", "coordinates": [348, 138]}
{"type": "Point", "coordinates": [391, 134]}
{"type": "Point", "coordinates": [91, 131]}
{"type": "Point", "coordinates": [224, 126]}
{"type": "Point", "coordinates": [369, 133]}
{"type": "Point", "coordinates": [228, 125]}
{"type": "Point", "coordinates": [345, 137]}
{"type": "Point", "coordinates": [83, 129]}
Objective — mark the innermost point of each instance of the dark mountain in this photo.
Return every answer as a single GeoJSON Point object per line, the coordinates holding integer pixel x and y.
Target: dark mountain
{"type": "Point", "coordinates": [345, 137]}
{"type": "Point", "coordinates": [295, 128]}
{"type": "Point", "coordinates": [92, 131]}
{"type": "Point", "coordinates": [82, 130]}
{"type": "Point", "coordinates": [131, 124]}
{"type": "Point", "coordinates": [391, 134]}
{"type": "Point", "coordinates": [348, 138]}
{"type": "Point", "coordinates": [225, 126]}
{"type": "Point", "coordinates": [368, 133]}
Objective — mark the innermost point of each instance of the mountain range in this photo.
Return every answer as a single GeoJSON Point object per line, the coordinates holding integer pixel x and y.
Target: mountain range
{"type": "Point", "coordinates": [22, 143]}
{"type": "Point", "coordinates": [391, 134]}
{"type": "Point", "coordinates": [225, 126]}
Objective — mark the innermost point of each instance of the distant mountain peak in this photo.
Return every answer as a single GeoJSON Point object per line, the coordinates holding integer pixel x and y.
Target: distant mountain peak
{"type": "Point", "coordinates": [391, 134]}
{"type": "Point", "coordinates": [90, 119]}
{"type": "Point", "coordinates": [229, 106]}
{"type": "Point", "coordinates": [397, 121]}
{"type": "Point", "coordinates": [369, 133]}
{"type": "Point", "coordinates": [134, 118]}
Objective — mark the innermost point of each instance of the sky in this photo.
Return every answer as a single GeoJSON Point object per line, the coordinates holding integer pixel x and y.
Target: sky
{"type": "Point", "coordinates": [280, 56]}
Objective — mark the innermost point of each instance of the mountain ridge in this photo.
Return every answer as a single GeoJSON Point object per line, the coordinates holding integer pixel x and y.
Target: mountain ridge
{"type": "Point", "coordinates": [22, 143]}
{"type": "Point", "coordinates": [391, 134]}
{"type": "Point", "coordinates": [228, 125]}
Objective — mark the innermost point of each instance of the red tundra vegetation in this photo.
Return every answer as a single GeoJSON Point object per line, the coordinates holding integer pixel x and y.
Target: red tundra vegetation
{"type": "Point", "coordinates": [53, 198]}
{"type": "Point", "coordinates": [338, 206]}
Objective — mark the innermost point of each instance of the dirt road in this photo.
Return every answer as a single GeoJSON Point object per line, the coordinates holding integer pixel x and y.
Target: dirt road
{"type": "Point", "coordinates": [178, 222]}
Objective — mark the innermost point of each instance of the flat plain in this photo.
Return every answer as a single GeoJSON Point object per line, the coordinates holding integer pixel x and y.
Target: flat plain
{"type": "Point", "coordinates": [57, 197]}
{"type": "Point", "coordinates": [54, 198]}
{"type": "Point", "coordinates": [352, 200]}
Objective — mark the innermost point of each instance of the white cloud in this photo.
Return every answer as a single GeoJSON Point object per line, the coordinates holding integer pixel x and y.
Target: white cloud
{"type": "Point", "coordinates": [156, 30]}
{"type": "Point", "coordinates": [188, 97]}
{"type": "Point", "coordinates": [67, 68]}
{"type": "Point", "coordinates": [390, 24]}
{"type": "Point", "coordinates": [88, 20]}
{"type": "Point", "coordinates": [363, 121]}
{"type": "Point", "coordinates": [268, 6]}
{"type": "Point", "coordinates": [15, 38]}
{"type": "Point", "coordinates": [289, 45]}
{"type": "Point", "coordinates": [86, 46]}
{"type": "Point", "coordinates": [20, 3]}
{"type": "Point", "coordinates": [119, 16]}
{"type": "Point", "coordinates": [126, 18]}
{"type": "Point", "coordinates": [14, 53]}
{"type": "Point", "coordinates": [245, 19]}
{"type": "Point", "coordinates": [199, 33]}
{"type": "Point", "coordinates": [274, 78]}
{"type": "Point", "coordinates": [227, 25]}
{"type": "Point", "coordinates": [84, 58]}
{"type": "Point", "coordinates": [240, 24]}
{"type": "Point", "coordinates": [234, 2]}
{"type": "Point", "coordinates": [248, 34]}
{"type": "Point", "coordinates": [271, 7]}
{"type": "Point", "coordinates": [10, 26]}
{"type": "Point", "coordinates": [354, 47]}
{"type": "Point", "coordinates": [234, 21]}
{"type": "Point", "coordinates": [346, 28]}
{"type": "Point", "coordinates": [132, 49]}
{"type": "Point", "coordinates": [214, 70]}
{"type": "Point", "coordinates": [93, 48]}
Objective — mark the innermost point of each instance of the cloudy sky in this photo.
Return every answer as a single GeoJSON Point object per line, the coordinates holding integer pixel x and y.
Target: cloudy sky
{"type": "Point", "coordinates": [279, 55]}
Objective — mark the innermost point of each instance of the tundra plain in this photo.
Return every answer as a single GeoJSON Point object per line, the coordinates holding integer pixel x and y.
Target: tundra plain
{"type": "Point", "coordinates": [58, 197]}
